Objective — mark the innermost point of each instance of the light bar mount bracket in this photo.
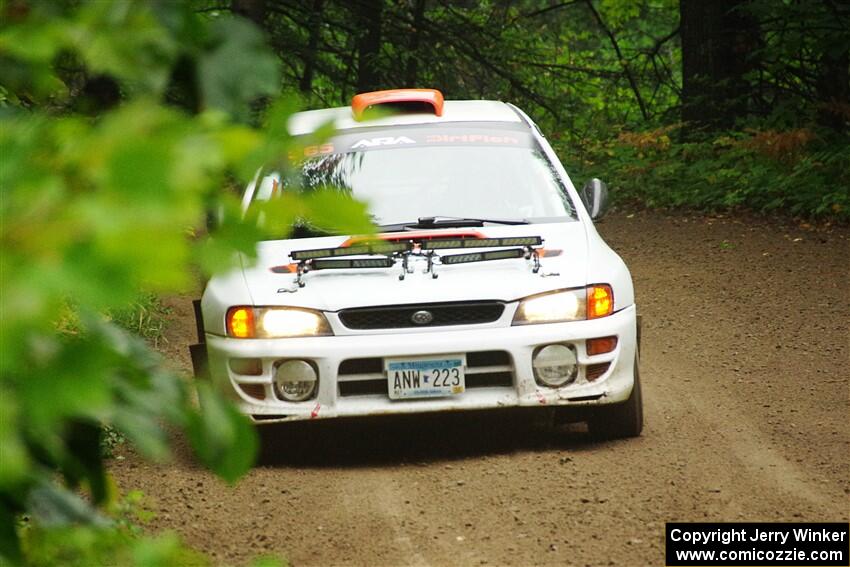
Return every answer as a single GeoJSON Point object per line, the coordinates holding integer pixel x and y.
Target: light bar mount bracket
{"type": "Point", "coordinates": [387, 254]}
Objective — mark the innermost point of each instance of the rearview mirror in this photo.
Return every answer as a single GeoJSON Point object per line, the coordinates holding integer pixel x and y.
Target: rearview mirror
{"type": "Point", "coordinates": [594, 195]}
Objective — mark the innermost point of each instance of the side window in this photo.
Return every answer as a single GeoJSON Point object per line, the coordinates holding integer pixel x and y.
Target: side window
{"type": "Point", "coordinates": [268, 188]}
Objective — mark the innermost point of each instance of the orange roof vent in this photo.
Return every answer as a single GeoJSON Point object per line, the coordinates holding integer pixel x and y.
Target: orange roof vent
{"type": "Point", "coordinates": [397, 98]}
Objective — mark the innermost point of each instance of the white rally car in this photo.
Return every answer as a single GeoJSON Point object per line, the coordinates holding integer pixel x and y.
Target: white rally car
{"type": "Point", "coordinates": [487, 285]}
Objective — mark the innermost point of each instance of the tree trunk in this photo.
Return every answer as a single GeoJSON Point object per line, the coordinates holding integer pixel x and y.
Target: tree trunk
{"type": "Point", "coordinates": [833, 89]}
{"type": "Point", "coordinates": [718, 40]}
{"type": "Point", "coordinates": [369, 14]}
{"type": "Point", "coordinates": [411, 73]}
{"type": "Point", "coordinates": [315, 23]}
{"type": "Point", "coordinates": [254, 10]}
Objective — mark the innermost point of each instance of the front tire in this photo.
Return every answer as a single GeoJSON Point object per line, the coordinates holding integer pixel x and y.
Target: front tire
{"type": "Point", "coordinates": [623, 420]}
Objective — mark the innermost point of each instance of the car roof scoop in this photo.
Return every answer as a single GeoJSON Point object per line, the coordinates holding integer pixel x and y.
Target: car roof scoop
{"type": "Point", "coordinates": [398, 100]}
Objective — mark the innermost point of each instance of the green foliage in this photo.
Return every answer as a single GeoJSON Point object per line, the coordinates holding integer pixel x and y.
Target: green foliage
{"type": "Point", "coordinates": [145, 317]}
{"type": "Point", "coordinates": [798, 171]}
{"type": "Point", "coordinates": [240, 68]}
{"type": "Point", "coordinates": [85, 545]}
{"type": "Point", "coordinates": [111, 439]}
{"type": "Point", "coordinates": [121, 122]}
{"type": "Point", "coordinates": [122, 541]}
{"type": "Point", "coordinates": [219, 438]}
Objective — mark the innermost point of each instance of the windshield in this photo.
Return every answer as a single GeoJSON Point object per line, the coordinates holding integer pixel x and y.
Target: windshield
{"type": "Point", "coordinates": [404, 174]}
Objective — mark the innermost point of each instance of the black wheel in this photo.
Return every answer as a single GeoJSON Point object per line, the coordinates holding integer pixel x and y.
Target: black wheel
{"type": "Point", "coordinates": [621, 420]}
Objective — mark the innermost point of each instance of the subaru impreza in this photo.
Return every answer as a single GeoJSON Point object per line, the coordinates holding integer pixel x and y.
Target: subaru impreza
{"type": "Point", "coordinates": [485, 286]}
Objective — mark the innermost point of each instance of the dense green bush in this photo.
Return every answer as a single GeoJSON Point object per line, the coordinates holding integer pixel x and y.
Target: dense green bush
{"type": "Point", "coordinates": [798, 171]}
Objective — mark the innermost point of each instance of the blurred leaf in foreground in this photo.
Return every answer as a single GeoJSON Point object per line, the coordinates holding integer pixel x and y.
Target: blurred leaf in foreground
{"type": "Point", "coordinates": [122, 125]}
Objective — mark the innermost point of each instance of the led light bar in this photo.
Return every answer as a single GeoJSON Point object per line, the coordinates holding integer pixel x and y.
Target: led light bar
{"type": "Point", "coordinates": [483, 256]}
{"type": "Point", "coordinates": [390, 247]}
{"type": "Point", "coordinates": [444, 243]}
{"type": "Point", "coordinates": [352, 264]}
{"type": "Point", "coordinates": [356, 250]}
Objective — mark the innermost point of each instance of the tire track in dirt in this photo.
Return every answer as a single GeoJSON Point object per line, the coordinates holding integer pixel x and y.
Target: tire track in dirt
{"type": "Point", "coordinates": [745, 368]}
{"type": "Point", "coordinates": [382, 495]}
{"type": "Point", "coordinates": [765, 468]}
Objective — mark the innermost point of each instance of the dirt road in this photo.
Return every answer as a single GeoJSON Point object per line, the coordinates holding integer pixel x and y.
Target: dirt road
{"type": "Point", "coordinates": [745, 366]}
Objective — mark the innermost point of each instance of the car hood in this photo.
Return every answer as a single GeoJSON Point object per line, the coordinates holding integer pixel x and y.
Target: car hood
{"type": "Point", "coordinates": [564, 265]}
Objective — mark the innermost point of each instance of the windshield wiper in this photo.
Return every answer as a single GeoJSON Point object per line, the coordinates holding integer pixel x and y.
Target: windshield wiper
{"type": "Point", "coordinates": [446, 222]}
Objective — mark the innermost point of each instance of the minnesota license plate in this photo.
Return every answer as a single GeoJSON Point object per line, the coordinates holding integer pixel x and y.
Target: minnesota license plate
{"type": "Point", "coordinates": [430, 377]}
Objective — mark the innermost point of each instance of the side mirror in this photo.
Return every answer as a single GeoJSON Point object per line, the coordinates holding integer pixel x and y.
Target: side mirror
{"type": "Point", "coordinates": [594, 195]}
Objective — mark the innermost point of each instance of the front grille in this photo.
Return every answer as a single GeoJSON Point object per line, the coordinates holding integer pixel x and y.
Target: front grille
{"type": "Point", "coordinates": [401, 316]}
{"type": "Point", "coordinates": [361, 366]}
{"type": "Point", "coordinates": [365, 376]}
{"type": "Point", "coordinates": [363, 388]}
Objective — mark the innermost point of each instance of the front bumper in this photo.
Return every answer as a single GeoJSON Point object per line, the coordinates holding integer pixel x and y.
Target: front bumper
{"type": "Point", "coordinates": [516, 344]}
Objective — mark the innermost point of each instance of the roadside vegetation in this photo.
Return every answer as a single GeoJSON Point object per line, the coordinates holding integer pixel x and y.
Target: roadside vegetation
{"type": "Point", "coordinates": [145, 317]}
{"type": "Point", "coordinates": [797, 172]}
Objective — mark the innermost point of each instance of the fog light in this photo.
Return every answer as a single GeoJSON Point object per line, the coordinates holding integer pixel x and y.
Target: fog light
{"type": "Point", "coordinates": [295, 380]}
{"type": "Point", "coordinates": [555, 365]}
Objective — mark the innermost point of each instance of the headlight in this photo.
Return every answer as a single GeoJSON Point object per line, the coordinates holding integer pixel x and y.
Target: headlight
{"type": "Point", "coordinates": [246, 322]}
{"type": "Point", "coordinates": [566, 305]}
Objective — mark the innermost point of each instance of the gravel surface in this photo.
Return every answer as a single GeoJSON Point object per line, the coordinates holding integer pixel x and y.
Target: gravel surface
{"type": "Point", "coordinates": [745, 372]}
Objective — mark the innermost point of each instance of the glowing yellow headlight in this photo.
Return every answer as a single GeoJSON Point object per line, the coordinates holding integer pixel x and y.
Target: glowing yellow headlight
{"type": "Point", "coordinates": [552, 307]}
{"type": "Point", "coordinates": [291, 323]}
{"type": "Point", "coordinates": [275, 322]}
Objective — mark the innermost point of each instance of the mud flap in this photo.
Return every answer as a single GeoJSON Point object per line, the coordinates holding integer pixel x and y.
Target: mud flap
{"type": "Point", "coordinates": [200, 364]}
{"type": "Point", "coordinates": [198, 352]}
{"type": "Point", "coordinates": [639, 325]}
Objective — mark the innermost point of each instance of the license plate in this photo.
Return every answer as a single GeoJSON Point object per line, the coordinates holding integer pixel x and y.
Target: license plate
{"type": "Point", "coordinates": [425, 377]}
